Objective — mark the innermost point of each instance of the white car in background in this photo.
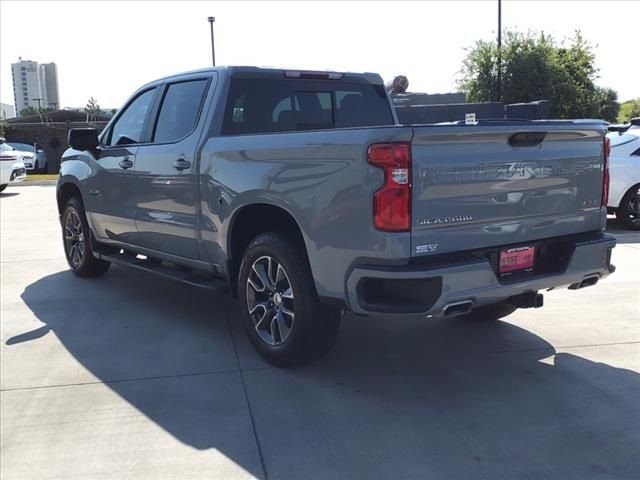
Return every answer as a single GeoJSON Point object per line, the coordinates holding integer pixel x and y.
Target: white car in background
{"type": "Point", "coordinates": [624, 172]}
{"type": "Point", "coordinates": [27, 154]}
{"type": "Point", "coordinates": [11, 166]}
{"type": "Point", "coordinates": [33, 155]}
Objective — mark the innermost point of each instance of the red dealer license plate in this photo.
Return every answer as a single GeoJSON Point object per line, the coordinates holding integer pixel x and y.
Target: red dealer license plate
{"type": "Point", "coordinates": [516, 259]}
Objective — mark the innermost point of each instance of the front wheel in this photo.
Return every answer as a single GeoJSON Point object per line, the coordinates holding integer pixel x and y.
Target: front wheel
{"type": "Point", "coordinates": [77, 245]}
{"type": "Point", "coordinates": [628, 214]}
{"type": "Point", "coordinates": [286, 323]}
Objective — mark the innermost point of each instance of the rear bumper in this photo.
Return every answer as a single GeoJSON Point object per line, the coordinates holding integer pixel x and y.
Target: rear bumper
{"type": "Point", "coordinates": [427, 290]}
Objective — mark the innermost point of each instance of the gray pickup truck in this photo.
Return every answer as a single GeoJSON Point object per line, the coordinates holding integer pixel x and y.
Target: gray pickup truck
{"type": "Point", "coordinates": [301, 194]}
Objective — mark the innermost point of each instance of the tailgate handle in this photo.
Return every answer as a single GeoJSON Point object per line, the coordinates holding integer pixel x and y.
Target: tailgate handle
{"type": "Point", "coordinates": [526, 139]}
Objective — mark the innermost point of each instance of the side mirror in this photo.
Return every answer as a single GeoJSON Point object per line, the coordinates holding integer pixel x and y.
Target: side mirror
{"type": "Point", "coordinates": [83, 138]}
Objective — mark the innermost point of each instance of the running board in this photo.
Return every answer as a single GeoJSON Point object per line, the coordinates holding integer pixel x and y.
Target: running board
{"type": "Point", "coordinates": [218, 285]}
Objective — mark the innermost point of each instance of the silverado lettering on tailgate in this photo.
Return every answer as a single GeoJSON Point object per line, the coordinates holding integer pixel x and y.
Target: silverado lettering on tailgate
{"type": "Point", "coordinates": [452, 219]}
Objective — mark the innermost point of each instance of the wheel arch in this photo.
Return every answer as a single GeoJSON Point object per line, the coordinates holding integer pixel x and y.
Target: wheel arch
{"type": "Point", "coordinates": [636, 185]}
{"type": "Point", "coordinates": [66, 191]}
{"type": "Point", "coordinates": [251, 220]}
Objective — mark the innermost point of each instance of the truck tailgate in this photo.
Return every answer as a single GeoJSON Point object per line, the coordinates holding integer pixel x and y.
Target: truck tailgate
{"type": "Point", "coordinates": [481, 186]}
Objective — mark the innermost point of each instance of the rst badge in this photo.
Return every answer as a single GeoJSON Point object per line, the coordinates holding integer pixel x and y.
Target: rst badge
{"type": "Point", "coordinates": [428, 248]}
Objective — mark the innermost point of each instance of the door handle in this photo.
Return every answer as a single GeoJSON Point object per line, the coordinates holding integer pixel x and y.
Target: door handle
{"type": "Point", "coordinates": [181, 164]}
{"type": "Point", "coordinates": [125, 163]}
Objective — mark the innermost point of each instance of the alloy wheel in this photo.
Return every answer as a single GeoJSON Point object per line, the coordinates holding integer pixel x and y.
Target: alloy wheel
{"type": "Point", "coordinates": [74, 238]}
{"type": "Point", "coordinates": [270, 300]}
{"type": "Point", "coordinates": [633, 208]}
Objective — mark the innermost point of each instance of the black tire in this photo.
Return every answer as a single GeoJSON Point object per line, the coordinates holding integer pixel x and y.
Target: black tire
{"type": "Point", "coordinates": [312, 329]}
{"type": "Point", "coordinates": [2, 187]}
{"type": "Point", "coordinates": [628, 213]}
{"type": "Point", "coordinates": [489, 313]}
{"type": "Point", "coordinates": [76, 240]}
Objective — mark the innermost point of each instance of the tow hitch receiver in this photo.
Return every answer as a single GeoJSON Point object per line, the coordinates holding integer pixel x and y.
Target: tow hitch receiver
{"type": "Point", "coordinates": [527, 300]}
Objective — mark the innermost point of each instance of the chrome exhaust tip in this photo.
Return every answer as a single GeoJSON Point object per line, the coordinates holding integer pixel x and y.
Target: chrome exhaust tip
{"type": "Point", "coordinates": [587, 281]}
{"type": "Point", "coordinates": [458, 308]}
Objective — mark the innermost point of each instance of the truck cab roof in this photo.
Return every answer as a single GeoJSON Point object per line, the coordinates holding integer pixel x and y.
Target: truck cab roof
{"type": "Point", "coordinates": [271, 72]}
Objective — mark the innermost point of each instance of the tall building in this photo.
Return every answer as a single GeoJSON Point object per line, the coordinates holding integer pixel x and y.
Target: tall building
{"type": "Point", "coordinates": [49, 72]}
{"type": "Point", "coordinates": [35, 85]}
{"type": "Point", "coordinates": [6, 111]}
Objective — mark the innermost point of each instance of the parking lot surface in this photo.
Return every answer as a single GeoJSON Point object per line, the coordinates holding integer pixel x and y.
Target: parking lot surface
{"type": "Point", "coordinates": [136, 376]}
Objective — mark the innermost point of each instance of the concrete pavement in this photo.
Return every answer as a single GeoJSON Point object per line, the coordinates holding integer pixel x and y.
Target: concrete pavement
{"type": "Point", "coordinates": [134, 376]}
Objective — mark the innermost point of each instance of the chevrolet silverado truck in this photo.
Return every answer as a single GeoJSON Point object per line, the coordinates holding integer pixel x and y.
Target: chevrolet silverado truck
{"type": "Point", "coordinates": [300, 193]}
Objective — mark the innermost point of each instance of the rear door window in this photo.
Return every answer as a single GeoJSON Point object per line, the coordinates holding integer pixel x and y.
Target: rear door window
{"type": "Point", "coordinates": [179, 111]}
{"type": "Point", "coordinates": [271, 105]}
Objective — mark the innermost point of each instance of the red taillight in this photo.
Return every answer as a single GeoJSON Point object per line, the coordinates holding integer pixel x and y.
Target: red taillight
{"type": "Point", "coordinates": [605, 177]}
{"type": "Point", "coordinates": [392, 201]}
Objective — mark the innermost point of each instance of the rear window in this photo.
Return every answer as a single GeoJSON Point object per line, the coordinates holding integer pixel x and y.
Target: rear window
{"type": "Point", "coordinates": [272, 105]}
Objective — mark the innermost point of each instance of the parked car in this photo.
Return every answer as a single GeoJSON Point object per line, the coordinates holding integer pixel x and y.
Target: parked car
{"type": "Point", "coordinates": [301, 194]}
{"type": "Point", "coordinates": [624, 192]}
{"type": "Point", "coordinates": [34, 157]}
{"type": "Point", "coordinates": [12, 168]}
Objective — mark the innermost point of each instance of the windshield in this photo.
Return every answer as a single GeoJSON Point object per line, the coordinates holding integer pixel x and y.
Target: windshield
{"type": "Point", "coordinates": [5, 148]}
{"type": "Point", "coordinates": [618, 140]}
{"type": "Point", "coordinates": [25, 147]}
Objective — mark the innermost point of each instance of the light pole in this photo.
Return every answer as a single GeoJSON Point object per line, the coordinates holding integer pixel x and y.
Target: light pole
{"type": "Point", "coordinates": [499, 86]}
{"type": "Point", "coordinates": [213, 50]}
{"type": "Point", "coordinates": [39, 104]}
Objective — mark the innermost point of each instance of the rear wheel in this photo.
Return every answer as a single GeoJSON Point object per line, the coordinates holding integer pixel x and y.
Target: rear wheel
{"type": "Point", "coordinates": [628, 214]}
{"type": "Point", "coordinates": [488, 313]}
{"type": "Point", "coordinates": [76, 237]}
{"type": "Point", "coordinates": [286, 323]}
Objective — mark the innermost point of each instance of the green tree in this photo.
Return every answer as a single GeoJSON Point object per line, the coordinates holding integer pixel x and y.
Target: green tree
{"type": "Point", "coordinates": [536, 67]}
{"type": "Point", "coordinates": [28, 111]}
{"type": "Point", "coordinates": [629, 110]}
{"type": "Point", "coordinates": [92, 107]}
{"type": "Point", "coordinates": [2, 129]}
{"type": "Point", "coordinates": [605, 104]}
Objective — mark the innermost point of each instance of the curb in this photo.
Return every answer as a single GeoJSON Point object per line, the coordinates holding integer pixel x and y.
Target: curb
{"type": "Point", "coordinates": [34, 183]}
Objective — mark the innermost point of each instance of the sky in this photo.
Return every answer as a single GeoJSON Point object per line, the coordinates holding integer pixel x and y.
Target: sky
{"type": "Point", "coordinates": [109, 49]}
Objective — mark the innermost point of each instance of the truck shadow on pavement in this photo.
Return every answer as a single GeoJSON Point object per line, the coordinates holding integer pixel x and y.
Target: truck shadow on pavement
{"type": "Point", "coordinates": [394, 399]}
